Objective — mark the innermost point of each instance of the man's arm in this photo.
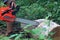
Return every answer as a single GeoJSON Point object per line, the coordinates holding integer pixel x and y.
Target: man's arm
{"type": "Point", "coordinates": [10, 3]}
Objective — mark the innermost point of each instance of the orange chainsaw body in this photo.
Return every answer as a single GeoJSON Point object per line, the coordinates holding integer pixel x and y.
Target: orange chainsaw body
{"type": "Point", "coordinates": [8, 16]}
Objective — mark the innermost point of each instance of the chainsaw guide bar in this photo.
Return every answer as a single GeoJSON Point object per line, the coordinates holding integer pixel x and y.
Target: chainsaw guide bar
{"type": "Point", "coordinates": [30, 22]}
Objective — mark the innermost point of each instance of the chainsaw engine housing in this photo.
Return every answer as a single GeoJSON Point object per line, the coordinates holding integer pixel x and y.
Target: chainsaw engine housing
{"type": "Point", "coordinates": [8, 15]}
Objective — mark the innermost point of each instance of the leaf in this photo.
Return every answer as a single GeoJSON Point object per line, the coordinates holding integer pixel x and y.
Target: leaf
{"type": "Point", "coordinates": [5, 38]}
{"type": "Point", "coordinates": [27, 26]}
{"type": "Point", "coordinates": [49, 14]}
{"type": "Point", "coordinates": [27, 31]}
{"type": "Point", "coordinates": [58, 18]}
{"type": "Point", "coordinates": [20, 35]}
{"type": "Point", "coordinates": [31, 39]}
{"type": "Point", "coordinates": [42, 36]}
{"type": "Point", "coordinates": [14, 35]}
{"type": "Point", "coordinates": [26, 39]}
{"type": "Point", "coordinates": [49, 38]}
{"type": "Point", "coordinates": [36, 31]}
{"type": "Point", "coordinates": [52, 33]}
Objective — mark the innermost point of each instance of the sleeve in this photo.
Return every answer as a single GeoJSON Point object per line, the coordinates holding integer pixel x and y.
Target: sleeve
{"type": "Point", "coordinates": [5, 1]}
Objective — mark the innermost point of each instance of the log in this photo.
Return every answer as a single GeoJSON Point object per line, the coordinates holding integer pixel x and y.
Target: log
{"type": "Point", "coordinates": [48, 25]}
{"type": "Point", "coordinates": [53, 27]}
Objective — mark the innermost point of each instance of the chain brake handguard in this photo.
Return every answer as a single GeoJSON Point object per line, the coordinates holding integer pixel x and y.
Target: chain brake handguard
{"type": "Point", "coordinates": [8, 16]}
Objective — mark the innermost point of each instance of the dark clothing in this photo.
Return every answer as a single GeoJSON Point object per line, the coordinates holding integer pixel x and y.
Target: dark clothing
{"type": "Point", "coordinates": [8, 1]}
{"type": "Point", "coordinates": [11, 4]}
{"type": "Point", "coordinates": [5, 1]}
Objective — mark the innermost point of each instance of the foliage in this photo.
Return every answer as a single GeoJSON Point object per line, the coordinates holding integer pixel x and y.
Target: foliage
{"type": "Point", "coordinates": [36, 9]}
{"type": "Point", "coordinates": [34, 34]}
{"type": "Point", "coordinates": [3, 37]}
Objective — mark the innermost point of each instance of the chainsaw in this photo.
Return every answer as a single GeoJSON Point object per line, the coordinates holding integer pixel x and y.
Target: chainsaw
{"type": "Point", "coordinates": [7, 16]}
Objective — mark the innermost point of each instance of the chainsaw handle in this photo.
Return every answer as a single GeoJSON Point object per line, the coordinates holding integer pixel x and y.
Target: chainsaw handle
{"type": "Point", "coordinates": [5, 12]}
{"type": "Point", "coordinates": [14, 12]}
